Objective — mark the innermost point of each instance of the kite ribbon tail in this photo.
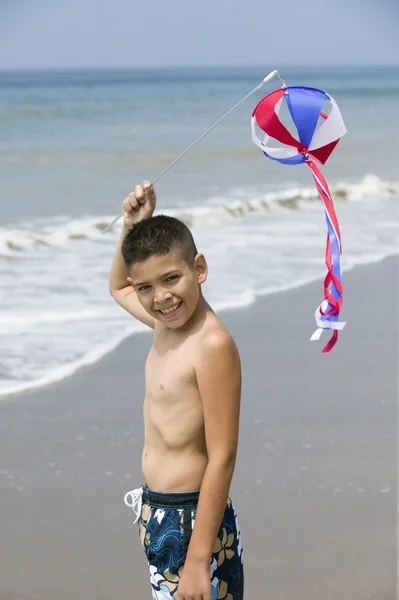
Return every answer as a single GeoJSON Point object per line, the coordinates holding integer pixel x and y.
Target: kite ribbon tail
{"type": "Point", "coordinates": [327, 313]}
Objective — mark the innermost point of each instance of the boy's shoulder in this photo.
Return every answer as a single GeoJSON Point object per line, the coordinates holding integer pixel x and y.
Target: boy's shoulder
{"type": "Point", "coordinates": [217, 366]}
{"type": "Point", "coordinates": [215, 340]}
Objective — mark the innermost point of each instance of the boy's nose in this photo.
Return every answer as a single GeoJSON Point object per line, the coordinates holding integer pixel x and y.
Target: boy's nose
{"type": "Point", "coordinates": [162, 296]}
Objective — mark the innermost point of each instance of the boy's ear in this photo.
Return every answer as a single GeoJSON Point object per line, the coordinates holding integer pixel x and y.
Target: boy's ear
{"type": "Point", "coordinates": [129, 280]}
{"type": "Point", "coordinates": [201, 268]}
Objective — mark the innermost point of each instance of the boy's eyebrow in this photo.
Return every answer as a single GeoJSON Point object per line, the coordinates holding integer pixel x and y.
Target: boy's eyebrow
{"type": "Point", "coordinates": [170, 273]}
{"type": "Point", "coordinates": [138, 283]}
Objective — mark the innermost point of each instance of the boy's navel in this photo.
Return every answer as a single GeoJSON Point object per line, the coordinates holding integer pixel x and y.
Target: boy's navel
{"type": "Point", "coordinates": [161, 386]}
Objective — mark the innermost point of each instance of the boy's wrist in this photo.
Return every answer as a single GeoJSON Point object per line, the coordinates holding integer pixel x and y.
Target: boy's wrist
{"type": "Point", "coordinates": [198, 558]}
{"type": "Point", "coordinates": [125, 231]}
{"type": "Point", "coordinates": [126, 228]}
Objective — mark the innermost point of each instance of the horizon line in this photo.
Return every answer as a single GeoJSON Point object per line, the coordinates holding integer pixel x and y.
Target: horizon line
{"type": "Point", "coordinates": [198, 66]}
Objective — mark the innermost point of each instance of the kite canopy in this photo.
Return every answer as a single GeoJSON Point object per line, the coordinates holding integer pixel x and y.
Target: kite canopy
{"type": "Point", "coordinates": [305, 105]}
{"type": "Point", "coordinates": [316, 141]}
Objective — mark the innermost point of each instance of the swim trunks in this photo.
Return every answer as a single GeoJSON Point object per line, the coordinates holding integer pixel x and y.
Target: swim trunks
{"type": "Point", "coordinates": [166, 521]}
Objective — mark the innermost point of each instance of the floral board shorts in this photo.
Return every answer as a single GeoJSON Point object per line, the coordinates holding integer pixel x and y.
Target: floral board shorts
{"type": "Point", "coordinates": [166, 521]}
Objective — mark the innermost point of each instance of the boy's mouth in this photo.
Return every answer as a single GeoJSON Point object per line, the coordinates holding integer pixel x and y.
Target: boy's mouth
{"type": "Point", "coordinates": [171, 311]}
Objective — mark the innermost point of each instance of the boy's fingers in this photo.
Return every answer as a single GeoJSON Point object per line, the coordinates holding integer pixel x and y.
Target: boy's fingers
{"type": "Point", "coordinates": [139, 191]}
{"type": "Point", "coordinates": [126, 204]}
{"type": "Point", "coordinates": [130, 203]}
{"type": "Point", "coordinates": [142, 194]}
{"type": "Point", "coordinates": [149, 192]}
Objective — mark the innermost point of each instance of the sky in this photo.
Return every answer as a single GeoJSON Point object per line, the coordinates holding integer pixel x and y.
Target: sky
{"type": "Point", "coordinates": [150, 33]}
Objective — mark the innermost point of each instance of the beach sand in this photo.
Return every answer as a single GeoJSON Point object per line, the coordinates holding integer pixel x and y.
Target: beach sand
{"type": "Point", "coordinates": [316, 477]}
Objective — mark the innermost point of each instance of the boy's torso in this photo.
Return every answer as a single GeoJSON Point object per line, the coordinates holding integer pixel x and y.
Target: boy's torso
{"type": "Point", "coordinates": [174, 454]}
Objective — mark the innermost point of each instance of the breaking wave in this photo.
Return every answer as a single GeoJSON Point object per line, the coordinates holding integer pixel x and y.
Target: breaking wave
{"type": "Point", "coordinates": [17, 241]}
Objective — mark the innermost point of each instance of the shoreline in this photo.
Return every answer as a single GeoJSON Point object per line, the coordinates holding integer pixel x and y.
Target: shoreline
{"type": "Point", "coordinates": [94, 357]}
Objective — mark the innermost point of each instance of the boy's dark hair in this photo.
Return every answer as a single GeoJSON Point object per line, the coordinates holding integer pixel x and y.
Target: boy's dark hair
{"type": "Point", "coordinates": [158, 236]}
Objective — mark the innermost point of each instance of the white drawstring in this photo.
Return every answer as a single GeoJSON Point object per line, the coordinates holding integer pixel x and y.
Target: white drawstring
{"type": "Point", "coordinates": [136, 501]}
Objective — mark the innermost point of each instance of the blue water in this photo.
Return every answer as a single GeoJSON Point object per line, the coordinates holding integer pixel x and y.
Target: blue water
{"type": "Point", "coordinates": [77, 141]}
{"type": "Point", "coordinates": [74, 143]}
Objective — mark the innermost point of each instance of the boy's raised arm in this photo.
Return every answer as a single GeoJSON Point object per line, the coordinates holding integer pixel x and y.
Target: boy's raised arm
{"type": "Point", "coordinates": [139, 205]}
{"type": "Point", "coordinates": [119, 273]}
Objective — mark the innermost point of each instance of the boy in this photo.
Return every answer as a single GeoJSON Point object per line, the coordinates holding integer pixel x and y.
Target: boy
{"type": "Point", "coordinates": [188, 525]}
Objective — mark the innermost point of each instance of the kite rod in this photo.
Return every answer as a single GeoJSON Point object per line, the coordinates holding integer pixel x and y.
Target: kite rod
{"type": "Point", "coordinates": [265, 80]}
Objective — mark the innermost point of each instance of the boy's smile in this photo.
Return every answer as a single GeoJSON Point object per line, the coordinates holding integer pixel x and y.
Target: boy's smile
{"type": "Point", "coordinates": [168, 287]}
{"type": "Point", "coordinates": [170, 312]}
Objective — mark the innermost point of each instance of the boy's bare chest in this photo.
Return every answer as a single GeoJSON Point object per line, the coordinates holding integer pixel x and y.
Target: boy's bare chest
{"type": "Point", "coordinates": [169, 372]}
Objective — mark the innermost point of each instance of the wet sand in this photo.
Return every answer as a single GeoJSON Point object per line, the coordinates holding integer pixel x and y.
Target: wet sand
{"type": "Point", "coordinates": [316, 477]}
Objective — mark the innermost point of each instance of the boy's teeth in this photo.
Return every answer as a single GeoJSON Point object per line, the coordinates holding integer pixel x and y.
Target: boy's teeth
{"type": "Point", "coordinates": [169, 310]}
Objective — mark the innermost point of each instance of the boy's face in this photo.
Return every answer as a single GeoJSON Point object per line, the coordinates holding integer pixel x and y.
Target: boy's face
{"type": "Point", "coordinates": [168, 287]}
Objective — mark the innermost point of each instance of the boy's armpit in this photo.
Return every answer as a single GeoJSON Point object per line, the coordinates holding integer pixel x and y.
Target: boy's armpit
{"type": "Point", "coordinates": [127, 298]}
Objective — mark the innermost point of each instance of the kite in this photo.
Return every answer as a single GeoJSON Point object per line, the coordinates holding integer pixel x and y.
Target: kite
{"type": "Point", "coordinates": [317, 135]}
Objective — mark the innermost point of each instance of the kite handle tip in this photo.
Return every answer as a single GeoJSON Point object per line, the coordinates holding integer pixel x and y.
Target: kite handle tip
{"type": "Point", "coordinates": [270, 76]}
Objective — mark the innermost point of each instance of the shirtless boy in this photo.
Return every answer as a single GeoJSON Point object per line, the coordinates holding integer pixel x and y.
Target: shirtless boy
{"type": "Point", "coordinates": [187, 523]}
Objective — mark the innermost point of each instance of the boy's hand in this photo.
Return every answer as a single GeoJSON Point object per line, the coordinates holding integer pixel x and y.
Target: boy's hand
{"type": "Point", "coordinates": [195, 582]}
{"type": "Point", "coordinates": [139, 204]}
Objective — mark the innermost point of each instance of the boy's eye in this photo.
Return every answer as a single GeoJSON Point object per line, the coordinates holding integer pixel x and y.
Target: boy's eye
{"type": "Point", "coordinates": [143, 288]}
{"type": "Point", "coordinates": [171, 277]}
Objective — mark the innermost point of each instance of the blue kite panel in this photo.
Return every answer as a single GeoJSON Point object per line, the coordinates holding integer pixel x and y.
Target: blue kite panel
{"type": "Point", "coordinates": [292, 160]}
{"type": "Point", "coordinates": [305, 104]}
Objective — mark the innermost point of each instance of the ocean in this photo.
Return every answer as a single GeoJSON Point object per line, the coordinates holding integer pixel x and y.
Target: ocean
{"type": "Point", "coordinates": [74, 144]}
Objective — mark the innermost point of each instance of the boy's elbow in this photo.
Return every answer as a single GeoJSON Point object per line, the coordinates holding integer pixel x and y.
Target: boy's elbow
{"type": "Point", "coordinates": [114, 292]}
{"type": "Point", "coordinates": [225, 460]}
